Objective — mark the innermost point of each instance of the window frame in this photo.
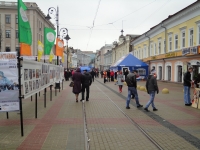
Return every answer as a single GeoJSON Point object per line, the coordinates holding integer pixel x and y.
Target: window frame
{"type": "Point", "coordinates": [159, 46]}
{"type": "Point", "coordinates": [9, 35]}
{"type": "Point", "coordinates": [189, 36]}
{"type": "Point", "coordinates": [16, 34]}
{"type": "Point", "coordinates": [170, 43]}
{"type": "Point", "coordinates": [175, 42]}
{"type": "Point", "coordinates": [151, 49]}
{"type": "Point", "coordinates": [16, 19]}
{"type": "Point", "coordinates": [183, 31]}
{"type": "Point", "coordinates": [8, 48]}
{"type": "Point", "coordinates": [7, 20]}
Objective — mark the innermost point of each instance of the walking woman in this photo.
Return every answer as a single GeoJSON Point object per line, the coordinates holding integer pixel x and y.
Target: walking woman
{"type": "Point", "coordinates": [77, 77]}
{"type": "Point", "coordinates": [120, 81]}
{"type": "Point", "coordinates": [105, 79]}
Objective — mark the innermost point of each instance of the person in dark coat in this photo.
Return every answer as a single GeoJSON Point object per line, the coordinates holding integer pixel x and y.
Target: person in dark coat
{"type": "Point", "coordinates": [77, 78]}
{"type": "Point", "coordinates": [67, 75]}
{"type": "Point", "coordinates": [187, 84]}
{"type": "Point", "coordinates": [108, 75]}
{"type": "Point", "coordinates": [92, 74]}
{"type": "Point", "coordinates": [197, 81]}
{"type": "Point", "coordinates": [152, 89]}
{"type": "Point", "coordinates": [126, 73]}
{"type": "Point", "coordinates": [86, 82]}
{"type": "Point", "coordinates": [115, 75]}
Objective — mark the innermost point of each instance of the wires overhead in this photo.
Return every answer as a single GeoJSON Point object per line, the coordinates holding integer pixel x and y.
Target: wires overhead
{"type": "Point", "coordinates": [96, 13]}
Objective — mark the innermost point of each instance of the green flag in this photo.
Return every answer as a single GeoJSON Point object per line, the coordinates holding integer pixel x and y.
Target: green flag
{"type": "Point", "coordinates": [49, 39]}
{"type": "Point", "coordinates": [25, 35]}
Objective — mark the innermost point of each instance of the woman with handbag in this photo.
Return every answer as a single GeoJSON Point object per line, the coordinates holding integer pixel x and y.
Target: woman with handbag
{"type": "Point", "coordinates": [120, 81]}
{"type": "Point", "coordinates": [77, 79]}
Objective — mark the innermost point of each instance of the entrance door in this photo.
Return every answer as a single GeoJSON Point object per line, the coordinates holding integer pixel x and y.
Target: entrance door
{"type": "Point", "coordinates": [160, 72]}
{"type": "Point", "coordinates": [124, 69]}
{"type": "Point", "coordinates": [169, 72]}
{"type": "Point", "coordinates": [180, 73]}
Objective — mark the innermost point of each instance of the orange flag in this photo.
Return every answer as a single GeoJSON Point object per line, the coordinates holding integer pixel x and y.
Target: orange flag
{"type": "Point", "coordinates": [59, 47]}
{"type": "Point", "coordinates": [25, 49]}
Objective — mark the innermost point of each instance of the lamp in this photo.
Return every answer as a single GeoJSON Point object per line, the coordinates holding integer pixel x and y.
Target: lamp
{"type": "Point", "coordinates": [48, 17]}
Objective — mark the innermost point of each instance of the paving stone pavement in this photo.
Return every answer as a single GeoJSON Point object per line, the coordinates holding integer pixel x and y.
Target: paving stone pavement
{"type": "Point", "coordinates": [60, 126]}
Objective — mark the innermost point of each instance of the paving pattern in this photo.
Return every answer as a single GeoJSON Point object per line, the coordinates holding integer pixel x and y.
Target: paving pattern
{"type": "Point", "coordinates": [60, 126]}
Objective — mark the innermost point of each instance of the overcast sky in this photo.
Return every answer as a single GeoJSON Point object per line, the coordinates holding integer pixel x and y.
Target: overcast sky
{"type": "Point", "coordinates": [137, 16]}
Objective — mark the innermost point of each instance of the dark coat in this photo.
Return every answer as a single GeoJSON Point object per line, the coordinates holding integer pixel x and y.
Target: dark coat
{"type": "Point", "coordinates": [131, 80]}
{"type": "Point", "coordinates": [87, 79]}
{"type": "Point", "coordinates": [151, 84]}
{"type": "Point", "coordinates": [187, 79]}
{"type": "Point", "coordinates": [77, 78]}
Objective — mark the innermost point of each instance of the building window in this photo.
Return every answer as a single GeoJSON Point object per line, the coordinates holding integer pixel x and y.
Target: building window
{"type": "Point", "coordinates": [170, 43]}
{"type": "Point", "coordinates": [139, 53]}
{"type": "Point", "coordinates": [155, 49]}
{"type": "Point", "coordinates": [144, 52]}
{"type": "Point", "coordinates": [159, 47]}
{"type": "Point", "coordinates": [191, 37]}
{"type": "Point", "coordinates": [16, 34]}
{"type": "Point", "coordinates": [176, 42]}
{"type": "Point", "coordinates": [183, 39]}
{"type": "Point", "coordinates": [151, 52]}
{"type": "Point", "coordinates": [164, 47]}
{"type": "Point", "coordinates": [199, 33]}
{"type": "Point", "coordinates": [16, 19]}
{"type": "Point", "coordinates": [7, 33]}
{"type": "Point", "coordinates": [17, 49]}
{"type": "Point", "coordinates": [7, 17]}
{"type": "Point", "coordinates": [7, 49]}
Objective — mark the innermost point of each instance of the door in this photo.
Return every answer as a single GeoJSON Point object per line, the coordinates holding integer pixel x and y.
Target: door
{"type": "Point", "coordinates": [179, 73]}
{"type": "Point", "coordinates": [160, 72]}
{"type": "Point", "coordinates": [169, 72]}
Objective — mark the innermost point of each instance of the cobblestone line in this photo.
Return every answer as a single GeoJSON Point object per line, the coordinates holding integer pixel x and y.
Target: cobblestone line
{"type": "Point", "coordinates": [185, 135]}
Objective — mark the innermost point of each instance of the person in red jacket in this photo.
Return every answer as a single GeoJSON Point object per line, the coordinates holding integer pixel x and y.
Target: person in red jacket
{"type": "Point", "coordinates": [112, 75]}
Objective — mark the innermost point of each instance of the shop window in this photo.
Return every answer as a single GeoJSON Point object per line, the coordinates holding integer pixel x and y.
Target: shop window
{"type": "Point", "coordinates": [7, 17]}
{"type": "Point", "coordinates": [7, 33]}
{"type": "Point", "coordinates": [191, 37]}
{"type": "Point", "coordinates": [183, 39]}
{"type": "Point", "coordinates": [176, 42]}
{"type": "Point", "coordinates": [141, 72]}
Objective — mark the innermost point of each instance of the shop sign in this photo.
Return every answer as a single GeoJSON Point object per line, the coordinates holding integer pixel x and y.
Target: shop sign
{"type": "Point", "coordinates": [173, 54]}
{"type": "Point", "coordinates": [186, 51]}
{"type": "Point", "coordinates": [153, 57]}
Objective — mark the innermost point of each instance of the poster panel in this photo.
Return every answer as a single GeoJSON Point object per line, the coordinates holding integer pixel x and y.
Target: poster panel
{"type": "Point", "coordinates": [196, 95]}
{"type": "Point", "coordinates": [9, 86]}
{"type": "Point", "coordinates": [31, 77]}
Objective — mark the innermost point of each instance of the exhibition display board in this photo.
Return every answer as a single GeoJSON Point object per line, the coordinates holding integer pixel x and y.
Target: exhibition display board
{"type": "Point", "coordinates": [196, 97]}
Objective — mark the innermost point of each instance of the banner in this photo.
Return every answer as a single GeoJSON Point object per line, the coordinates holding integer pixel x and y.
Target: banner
{"type": "Point", "coordinates": [59, 47]}
{"type": "Point", "coordinates": [49, 39]}
{"type": "Point", "coordinates": [40, 50]}
{"type": "Point", "coordinates": [9, 92]}
{"type": "Point", "coordinates": [25, 34]}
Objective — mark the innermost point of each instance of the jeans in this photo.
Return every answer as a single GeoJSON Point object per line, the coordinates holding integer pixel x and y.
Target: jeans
{"type": "Point", "coordinates": [187, 95]}
{"type": "Point", "coordinates": [132, 90]}
{"type": "Point", "coordinates": [151, 101]}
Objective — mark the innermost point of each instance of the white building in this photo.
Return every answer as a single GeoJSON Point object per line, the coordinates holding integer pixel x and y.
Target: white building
{"type": "Point", "coordinates": [74, 60]}
{"type": "Point", "coordinates": [104, 50]}
{"type": "Point", "coordinates": [107, 59]}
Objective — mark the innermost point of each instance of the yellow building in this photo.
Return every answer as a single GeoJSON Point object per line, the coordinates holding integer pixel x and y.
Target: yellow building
{"type": "Point", "coordinates": [172, 45]}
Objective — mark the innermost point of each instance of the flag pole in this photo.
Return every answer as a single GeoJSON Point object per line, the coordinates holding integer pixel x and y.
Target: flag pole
{"type": "Point", "coordinates": [19, 78]}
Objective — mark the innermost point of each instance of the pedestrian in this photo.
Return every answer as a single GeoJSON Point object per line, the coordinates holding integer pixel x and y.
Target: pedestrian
{"type": "Point", "coordinates": [187, 82]}
{"type": "Point", "coordinates": [120, 81]}
{"type": "Point", "coordinates": [86, 82]}
{"type": "Point", "coordinates": [126, 73]}
{"type": "Point", "coordinates": [77, 79]}
{"type": "Point", "coordinates": [112, 75]}
{"type": "Point", "coordinates": [197, 81]}
{"type": "Point", "coordinates": [92, 74]}
{"type": "Point", "coordinates": [108, 75]}
{"type": "Point", "coordinates": [105, 76]}
{"type": "Point", "coordinates": [102, 73]}
{"type": "Point", "coordinates": [116, 75]}
{"type": "Point", "coordinates": [132, 88]}
{"type": "Point", "coordinates": [152, 89]}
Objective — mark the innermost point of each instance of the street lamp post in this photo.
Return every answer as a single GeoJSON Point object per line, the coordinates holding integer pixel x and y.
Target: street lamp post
{"type": "Point", "coordinates": [67, 38]}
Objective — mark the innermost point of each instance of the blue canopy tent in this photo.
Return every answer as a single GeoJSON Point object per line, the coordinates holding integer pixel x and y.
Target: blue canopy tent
{"type": "Point", "coordinates": [131, 63]}
{"type": "Point", "coordinates": [85, 68]}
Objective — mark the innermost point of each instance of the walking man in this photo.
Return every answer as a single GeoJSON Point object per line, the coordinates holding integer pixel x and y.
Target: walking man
{"type": "Point", "coordinates": [132, 88]}
{"type": "Point", "coordinates": [187, 84]}
{"type": "Point", "coordinates": [86, 82]}
{"type": "Point", "coordinates": [92, 74]}
{"type": "Point", "coordinates": [152, 88]}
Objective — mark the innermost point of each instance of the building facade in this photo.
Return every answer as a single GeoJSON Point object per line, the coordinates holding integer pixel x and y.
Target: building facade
{"type": "Point", "coordinates": [104, 50]}
{"type": "Point", "coordinates": [74, 60]}
{"type": "Point", "coordinates": [122, 47]}
{"type": "Point", "coordinates": [82, 59]}
{"type": "Point", "coordinates": [9, 26]}
{"type": "Point", "coordinates": [171, 46]}
{"type": "Point", "coordinates": [107, 59]}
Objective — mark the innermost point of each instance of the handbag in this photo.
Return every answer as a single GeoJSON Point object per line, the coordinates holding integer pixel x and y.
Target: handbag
{"type": "Point", "coordinates": [122, 80]}
{"type": "Point", "coordinates": [71, 84]}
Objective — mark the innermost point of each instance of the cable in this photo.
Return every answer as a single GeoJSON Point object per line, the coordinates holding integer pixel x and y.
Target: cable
{"type": "Point", "coordinates": [151, 15]}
